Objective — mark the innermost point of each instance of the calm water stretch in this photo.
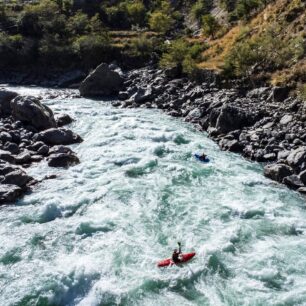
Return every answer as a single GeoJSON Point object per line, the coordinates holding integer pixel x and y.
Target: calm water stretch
{"type": "Point", "coordinates": [93, 235]}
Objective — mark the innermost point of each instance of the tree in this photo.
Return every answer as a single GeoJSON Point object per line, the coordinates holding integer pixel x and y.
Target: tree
{"type": "Point", "coordinates": [210, 25]}
{"type": "Point", "coordinates": [160, 22]}
{"type": "Point", "coordinates": [136, 12]}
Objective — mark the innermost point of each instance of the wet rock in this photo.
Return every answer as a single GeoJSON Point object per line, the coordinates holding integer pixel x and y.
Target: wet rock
{"type": "Point", "coordinates": [9, 193]}
{"type": "Point", "coordinates": [63, 160]}
{"type": "Point", "coordinates": [231, 145]}
{"type": "Point", "coordinates": [58, 136]}
{"type": "Point", "coordinates": [277, 172]}
{"type": "Point", "coordinates": [302, 190]}
{"type": "Point", "coordinates": [43, 150]}
{"type": "Point", "coordinates": [23, 158]}
{"type": "Point", "coordinates": [7, 156]}
{"type": "Point", "coordinates": [7, 168]}
{"type": "Point", "coordinates": [5, 101]}
{"type": "Point", "coordinates": [103, 81]}
{"type": "Point", "coordinates": [142, 95]}
{"type": "Point", "coordinates": [60, 149]}
{"type": "Point", "coordinates": [302, 177]}
{"type": "Point", "coordinates": [31, 111]}
{"type": "Point", "coordinates": [12, 147]}
{"type": "Point", "coordinates": [123, 95]}
{"type": "Point", "coordinates": [5, 136]}
{"type": "Point", "coordinates": [17, 177]}
{"type": "Point", "coordinates": [63, 119]}
{"type": "Point", "coordinates": [293, 181]}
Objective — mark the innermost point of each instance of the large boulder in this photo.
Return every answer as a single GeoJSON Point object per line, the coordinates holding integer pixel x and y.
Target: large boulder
{"type": "Point", "coordinates": [233, 118]}
{"type": "Point", "coordinates": [17, 177]}
{"type": "Point", "coordinates": [9, 193]}
{"type": "Point", "coordinates": [277, 172]}
{"type": "Point", "coordinates": [63, 160]}
{"type": "Point", "coordinates": [103, 81]}
{"type": "Point", "coordinates": [31, 111]}
{"type": "Point", "coordinates": [5, 101]}
{"type": "Point", "coordinates": [293, 181]}
{"type": "Point", "coordinates": [63, 119]}
{"type": "Point", "coordinates": [297, 157]}
{"type": "Point", "coordinates": [58, 136]}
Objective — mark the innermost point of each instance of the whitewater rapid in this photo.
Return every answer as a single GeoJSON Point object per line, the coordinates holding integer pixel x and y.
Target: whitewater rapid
{"type": "Point", "coordinates": [93, 235]}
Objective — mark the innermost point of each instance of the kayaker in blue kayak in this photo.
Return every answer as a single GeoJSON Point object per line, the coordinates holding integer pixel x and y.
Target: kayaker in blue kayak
{"type": "Point", "coordinates": [176, 256]}
{"type": "Point", "coordinates": [203, 157]}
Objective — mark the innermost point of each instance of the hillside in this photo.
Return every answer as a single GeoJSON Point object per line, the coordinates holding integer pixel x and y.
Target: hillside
{"type": "Point", "coordinates": [258, 39]}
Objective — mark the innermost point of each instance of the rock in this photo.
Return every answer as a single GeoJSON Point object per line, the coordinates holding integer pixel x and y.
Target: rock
{"type": "Point", "coordinates": [279, 94]}
{"type": "Point", "coordinates": [293, 181]}
{"type": "Point", "coordinates": [43, 150]}
{"type": "Point", "coordinates": [302, 190]}
{"type": "Point", "coordinates": [194, 115]}
{"type": "Point", "coordinates": [63, 119]}
{"type": "Point", "coordinates": [63, 160]}
{"type": "Point", "coordinates": [7, 168]}
{"type": "Point", "coordinates": [297, 157]}
{"type": "Point", "coordinates": [233, 118]}
{"type": "Point", "coordinates": [7, 156]}
{"type": "Point", "coordinates": [36, 145]}
{"type": "Point", "coordinates": [9, 193]}
{"type": "Point", "coordinates": [5, 136]}
{"type": "Point", "coordinates": [286, 119]}
{"type": "Point", "coordinates": [302, 177]}
{"type": "Point", "coordinates": [231, 145]}
{"type": "Point", "coordinates": [5, 101]}
{"type": "Point", "coordinates": [283, 154]}
{"type": "Point", "coordinates": [23, 158]}
{"type": "Point", "coordinates": [101, 82]}
{"type": "Point", "coordinates": [29, 110]}
{"type": "Point", "coordinates": [58, 136]}
{"type": "Point", "coordinates": [142, 95]}
{"type": "Point", "coordinates": [277, 172]}
{"type": "Point", "coordinates": [17, 177]}
{"type": "Point", "coordinates": [269, 157]}
{"type": "Point", "coordinates": [60, 149]}
{"type": "Point", "coordinates": [12, 147]}
{"type": "Point", "coordinates": [123, 95]}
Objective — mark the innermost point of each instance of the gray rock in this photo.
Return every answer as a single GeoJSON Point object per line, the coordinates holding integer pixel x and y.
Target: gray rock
{"type": "Point", "coordinates": [12, 147]}
{"type": "Point", "coordinates": [142, 95]}
{"type": "Point", "coordinates": [286, 119]}
{"type": "Point", "coordinates": [60, 149]}
{"type": "Point", "coordinates": [302, 177]}
{"type": "Point", "coordinates": [7, 156]}
{"type": "Point", "coordinates": [43, 150]}
{"type": "Point", "coordinates": [17, 177]}
{"type": "Point", "coordinates": [232, 145]}
{"type": "Point", "coordinates": [9, 193]}
{"type": "Point", "coordinates": [58, 136]}
{"type": "Point", "coordinates": [123, 95]}
{"type": "Point", "coordinates": [277, 172]}
{"type": "Point", "coordinates": [283, 154]}
{"type": "Point", "coordinates": [7, 168]}
{"type": "Point", "coordinates": [5, 136]}
{"type": "Point", "coordinates": [63, 160]}
{"type": "Point", "coordinates": [63, 119]}
{"type": "Point", "coordinates": [5, 101]}
{"type": "Point", "coordinates": [302, 190]}
{"type": "Point", "coordinates": [103, 81]}
{"type": "Point", "coordinates": [293, 181]}
{"type": "Point", "coordinates": [297, 157]}
{"type": "Point", "coordinates": [30, 111]}
{"type": "Point", "coordinates": [279, 94]}
{"type": "Point", "coordinates": [36, 145]}
{"type": "Point", "coordinates": [23, 158]}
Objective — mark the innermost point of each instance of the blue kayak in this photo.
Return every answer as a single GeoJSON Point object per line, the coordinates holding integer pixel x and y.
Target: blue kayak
{"type": "Point", "coordinates": [205, 161]}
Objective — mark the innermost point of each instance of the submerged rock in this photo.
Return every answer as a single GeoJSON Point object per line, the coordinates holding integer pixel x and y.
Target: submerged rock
{"type": "Point", "coordinates": [63, 160]}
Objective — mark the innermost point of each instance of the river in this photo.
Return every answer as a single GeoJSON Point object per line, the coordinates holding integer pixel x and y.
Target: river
{"type": "Point", "coordinates": [93, 235]}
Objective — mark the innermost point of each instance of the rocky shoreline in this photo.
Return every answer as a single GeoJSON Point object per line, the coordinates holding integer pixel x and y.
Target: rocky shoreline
{"type": "Point", "coordinates": [263, 124]}
{"type": "Point", "coordinates": [30, 133]}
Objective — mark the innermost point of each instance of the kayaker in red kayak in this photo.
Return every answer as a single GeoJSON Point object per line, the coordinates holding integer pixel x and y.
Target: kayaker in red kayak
{"type": "Point", "coordinates": [203, 157]}
{"type": "Point", "coordinates": [176, 256]}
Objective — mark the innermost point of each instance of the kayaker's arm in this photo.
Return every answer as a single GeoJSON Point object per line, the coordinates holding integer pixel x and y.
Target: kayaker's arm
{"type": "Point", "coordinates": [180, 247]}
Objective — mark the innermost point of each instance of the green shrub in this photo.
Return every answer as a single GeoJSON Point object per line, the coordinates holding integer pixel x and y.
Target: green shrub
{"type": "Point", "coordinates": [136, 12]}
{"type": "Point", "coordinates": [160, 22]}
{"type": "Point", "coordinates": [210, 25]}
{"type": "Point", "coordinates": [181, 54]}
{"type": "Point", "coordinates": [78, 24]}
{"type": "Point", "coordinates": [200, 8]}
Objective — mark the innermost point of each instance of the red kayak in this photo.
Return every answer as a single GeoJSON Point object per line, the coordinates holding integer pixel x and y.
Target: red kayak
{"type": "Point", "coordinates": [169, 262]}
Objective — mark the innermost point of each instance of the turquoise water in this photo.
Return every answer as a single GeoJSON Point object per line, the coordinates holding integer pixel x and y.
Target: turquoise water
{"type": "Point", "coordinates": [93, 235]}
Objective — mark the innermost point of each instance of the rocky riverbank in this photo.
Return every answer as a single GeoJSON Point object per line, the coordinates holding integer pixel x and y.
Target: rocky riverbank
{"type": "Point", "coordinates": [263, 124]}
{"type": "Point", "coordinates": [30, 133]}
